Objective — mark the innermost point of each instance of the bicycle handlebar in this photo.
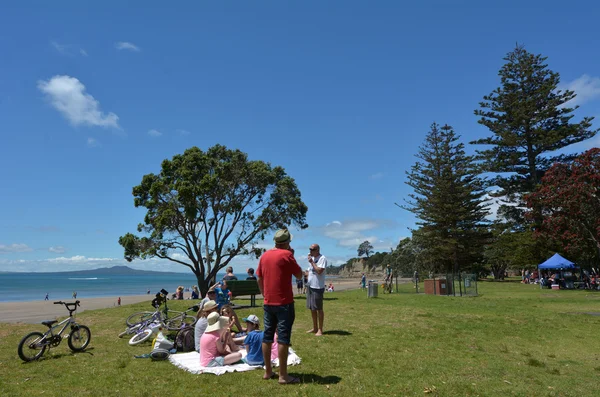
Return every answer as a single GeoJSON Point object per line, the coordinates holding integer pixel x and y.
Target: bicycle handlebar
{"type": "Point", "coordinates": [76, 303]}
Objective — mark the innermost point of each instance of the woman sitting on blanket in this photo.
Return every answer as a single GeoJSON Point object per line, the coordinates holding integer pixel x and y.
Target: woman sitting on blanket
{"type": "Point", "coordinates": [216, 345]}
{"type": "Point", "coordinates": [228, 311]}
{"type": "Point", "coordinates": [201, 324]}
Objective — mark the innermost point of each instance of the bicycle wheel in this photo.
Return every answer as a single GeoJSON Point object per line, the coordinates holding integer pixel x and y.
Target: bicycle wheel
{"type": "Point", "coordinates": [138, 317]}
{"type": "Point", "coordinates": [79, 338]}
{"type": "Point", "coordinates": [179, 321]}
{"type": "Point", "coordinates": [141, 337]}
{"type": "Point", "coordinates": [30, 347]}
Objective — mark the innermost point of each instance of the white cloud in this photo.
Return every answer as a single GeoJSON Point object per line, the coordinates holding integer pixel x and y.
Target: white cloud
{"type": "Point", "coordinates": [154, 133]}
{"type": "Point", "coordinates": [91, 142]}
{"type": "Point", "coordinates": [8, 249]}
{"type": "Point", "coordinates": [352, 233]}
{"type": "Point", "coordinates": [57, 250]}
{"type": "Point", "coordinates": [586, 87]}
{"type": "Point", "coordinates": [183, 132]}
{"type": "Point", "coordinates": [125, 45]}
{"type": "Point", "coordinates": [67, 95]}
{"type": "Point", "coordinates": [61, 48]}
{"type": "Point", "coordinates": [377, 175]}
{"type": "Point", "coordinates": [83, 52]}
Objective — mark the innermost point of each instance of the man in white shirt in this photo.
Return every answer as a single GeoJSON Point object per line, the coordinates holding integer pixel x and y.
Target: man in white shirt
{"type": "Point", "coordinates": [316, 288]}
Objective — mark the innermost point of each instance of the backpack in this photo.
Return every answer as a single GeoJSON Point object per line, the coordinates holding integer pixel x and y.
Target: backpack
{"type": "Point", "coordinates": [184, 341]}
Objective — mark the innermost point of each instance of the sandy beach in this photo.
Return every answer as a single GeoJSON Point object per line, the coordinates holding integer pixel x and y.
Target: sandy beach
{"type": "Point", "coordinates": [36, 311]}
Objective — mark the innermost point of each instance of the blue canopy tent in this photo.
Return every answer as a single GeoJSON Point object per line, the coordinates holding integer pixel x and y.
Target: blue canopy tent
{"type": "Point", "coordinates": [557, 262]}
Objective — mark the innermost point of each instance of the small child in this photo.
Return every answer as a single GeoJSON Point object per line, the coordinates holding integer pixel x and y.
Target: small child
{"type": "Point", "coordinates": [253, 342]}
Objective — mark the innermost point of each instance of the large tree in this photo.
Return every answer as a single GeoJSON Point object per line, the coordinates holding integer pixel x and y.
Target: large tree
{"type": "Point", "coordinates": [569, 197]}
{"type": "Point", "coordinates": [447, 200]}
{"type": "Point", "coordinates": [365, 248]}
{"type": "Point", "coordinates": [205, 208]}
{"type": "Point", "coordinates": [509, 250]}
{"type": "Point", "coordinates": [529, 118]}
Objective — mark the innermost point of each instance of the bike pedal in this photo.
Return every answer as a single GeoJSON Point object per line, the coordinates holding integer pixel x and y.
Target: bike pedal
{"type": "Point", "coordinates": [66, 336]}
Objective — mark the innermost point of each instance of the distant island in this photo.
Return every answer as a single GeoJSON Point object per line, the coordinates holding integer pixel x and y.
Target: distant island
{"type": "Point", "coordinates": [104, 270]}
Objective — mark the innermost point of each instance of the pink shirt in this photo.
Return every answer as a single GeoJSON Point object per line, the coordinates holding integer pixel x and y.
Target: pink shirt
{"type": "Point", "coordinates": [208, 347]}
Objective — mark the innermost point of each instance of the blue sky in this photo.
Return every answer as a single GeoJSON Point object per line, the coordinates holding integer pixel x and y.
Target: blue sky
{"type": "Point", "coordinates": [339, 93]}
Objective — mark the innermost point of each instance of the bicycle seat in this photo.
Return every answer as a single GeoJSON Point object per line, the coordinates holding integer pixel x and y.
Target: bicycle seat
{"type": "Point", "coordinates": [49, 322]}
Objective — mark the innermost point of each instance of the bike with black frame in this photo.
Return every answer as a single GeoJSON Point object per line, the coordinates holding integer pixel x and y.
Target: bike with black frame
{"type": "Point", "coordinates": [34, 344]}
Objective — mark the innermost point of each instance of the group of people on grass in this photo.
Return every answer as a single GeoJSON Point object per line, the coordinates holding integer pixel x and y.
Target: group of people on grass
{"type": "Point", "coordinates": [219, 334]}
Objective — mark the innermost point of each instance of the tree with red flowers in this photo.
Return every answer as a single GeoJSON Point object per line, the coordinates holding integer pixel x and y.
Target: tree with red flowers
{"type": "Point", "coordinates": [569, 195]}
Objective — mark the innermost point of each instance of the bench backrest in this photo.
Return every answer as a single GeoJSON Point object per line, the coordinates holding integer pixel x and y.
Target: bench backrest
{"type": "Point", "coordinates": [243, 287]}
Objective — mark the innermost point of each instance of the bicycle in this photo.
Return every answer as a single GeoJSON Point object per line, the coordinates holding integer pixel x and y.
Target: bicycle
{"type": "Point", "coordinates": [144, 329]}
{"type": "Point", "coordinates": [34, 344]}
{"type": "Point", "coordinates": [171, 322]}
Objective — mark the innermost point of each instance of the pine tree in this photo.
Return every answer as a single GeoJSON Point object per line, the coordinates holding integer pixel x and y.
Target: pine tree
{"type": "Point", "coordinates": [529, 118]}
{"type": "Point", "coordinates": [447, 200]}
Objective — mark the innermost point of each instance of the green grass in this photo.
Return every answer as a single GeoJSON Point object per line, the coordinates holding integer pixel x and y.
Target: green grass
{"type": "Point", "coordinates": [513, 339]}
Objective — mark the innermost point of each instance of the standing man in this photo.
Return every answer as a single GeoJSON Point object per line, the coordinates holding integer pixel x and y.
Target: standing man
{"type": "Point", "coordinates": [316, 288]}
{"type": "Point", "coordinates": [275, 270]}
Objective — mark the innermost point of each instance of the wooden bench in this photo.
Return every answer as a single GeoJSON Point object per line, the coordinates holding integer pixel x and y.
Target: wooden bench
{"type": "Point", "coordinates": [244, 288]}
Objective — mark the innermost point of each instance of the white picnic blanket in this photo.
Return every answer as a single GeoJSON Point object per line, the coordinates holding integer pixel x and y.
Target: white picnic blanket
{"type": "Point", "coordinates": [191, 363]}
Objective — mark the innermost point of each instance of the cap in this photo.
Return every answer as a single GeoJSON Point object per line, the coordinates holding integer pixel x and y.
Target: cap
{"type": "Point", "coordinates": [282, 236]}
{"type": "Point", "coordinates": [252, 319]}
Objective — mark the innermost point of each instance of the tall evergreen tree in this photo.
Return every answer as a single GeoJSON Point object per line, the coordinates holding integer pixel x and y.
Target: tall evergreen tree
{"type": "Point", "coordinates": [529, 118]}
{"type": "Point", "coordinates": [447, 200]}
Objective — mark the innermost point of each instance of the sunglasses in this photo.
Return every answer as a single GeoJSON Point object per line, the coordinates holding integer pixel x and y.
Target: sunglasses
{"type": "Point", "coordinates": [312, 249]}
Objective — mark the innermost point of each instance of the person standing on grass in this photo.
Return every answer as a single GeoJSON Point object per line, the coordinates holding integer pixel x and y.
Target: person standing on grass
{"type": "Point", "coordinates": [316, 288]}
{"type": "Point", "coordinates": [275, 270]}
{"type": "Point", "coordinates": [363, 281]}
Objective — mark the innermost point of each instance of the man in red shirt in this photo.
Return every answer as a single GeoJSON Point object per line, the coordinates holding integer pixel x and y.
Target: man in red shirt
{"type": "Point", "coordinates": [275, 270]}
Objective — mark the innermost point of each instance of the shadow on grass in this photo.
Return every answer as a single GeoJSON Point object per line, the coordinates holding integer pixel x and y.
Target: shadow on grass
{"type": "Point", "coordinates": [51, 355]}
{"type": "Point", "coordinates": [337, 332]}
{"type": "Point", "coordinates": [322, 380]}
{"type": "Point", "coordinates": [330, 299]}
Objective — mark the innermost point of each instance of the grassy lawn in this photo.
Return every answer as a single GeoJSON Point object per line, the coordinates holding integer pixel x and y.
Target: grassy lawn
{"type": "Point", "coordinates": [513, 339]}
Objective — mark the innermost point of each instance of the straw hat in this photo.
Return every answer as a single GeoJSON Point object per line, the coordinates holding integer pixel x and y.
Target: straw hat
{"type": "Point", "coordinates": [216, 322]}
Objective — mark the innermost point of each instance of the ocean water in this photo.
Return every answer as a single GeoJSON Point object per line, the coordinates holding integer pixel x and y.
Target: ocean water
{"type": "Point", "coordinates": [34, 286]}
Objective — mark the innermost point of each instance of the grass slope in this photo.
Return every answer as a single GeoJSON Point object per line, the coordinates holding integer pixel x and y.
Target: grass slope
{"type": "Point", "coordinates": [513, 339]}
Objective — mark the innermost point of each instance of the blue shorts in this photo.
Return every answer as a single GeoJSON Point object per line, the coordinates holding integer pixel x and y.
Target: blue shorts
{"type": "Point", "coordinates": [282, 318]}
{"type": "Point", "coordinates": [217, 362]}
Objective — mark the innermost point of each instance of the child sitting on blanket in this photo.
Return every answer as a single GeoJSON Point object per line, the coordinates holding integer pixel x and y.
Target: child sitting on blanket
{"type": "Point", "coordinates": [216, 345]}
{"type": "Point", "coordinates": [253, 342]}
{"type": "Point", "coordinates": [228, 311]}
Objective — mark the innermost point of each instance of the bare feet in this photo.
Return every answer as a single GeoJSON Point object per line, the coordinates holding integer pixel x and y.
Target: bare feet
{"type": "Point", "coordinates": [272, 376]}
{"type": "Point", "coordinates": [312, 331]}
{"type": "Point", "coordinates": [319, 333]}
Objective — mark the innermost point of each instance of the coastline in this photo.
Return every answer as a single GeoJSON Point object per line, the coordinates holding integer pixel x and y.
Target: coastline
{"type": "Point", "coordinates": [32, 312]}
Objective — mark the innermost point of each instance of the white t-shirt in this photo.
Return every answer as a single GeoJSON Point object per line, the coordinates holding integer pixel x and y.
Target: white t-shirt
{"type": "Point", "coordinates": [317, 281]}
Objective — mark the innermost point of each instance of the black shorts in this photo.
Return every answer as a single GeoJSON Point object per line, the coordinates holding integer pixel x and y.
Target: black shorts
{"type": "Point", "coordinates": [314, 298]}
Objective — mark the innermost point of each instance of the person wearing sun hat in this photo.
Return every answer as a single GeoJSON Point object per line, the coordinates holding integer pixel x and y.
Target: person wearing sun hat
{"type": "Point", "coordinates": [215, 341]}
{"type": "Point", "coordinates": [207, 308]}
{"type": "Point", "coordinates": [275, 270]}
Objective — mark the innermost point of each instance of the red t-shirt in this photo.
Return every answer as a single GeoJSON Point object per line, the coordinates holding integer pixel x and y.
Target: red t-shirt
{"type": "Point", "coordinates": [276, 268]}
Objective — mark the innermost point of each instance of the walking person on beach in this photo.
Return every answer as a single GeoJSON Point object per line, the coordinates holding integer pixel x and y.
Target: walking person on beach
{"type": "Point", "coordinates": [275, 270]}
{"type": "Point", "coordinates": [46, 298]}
{"type": "Point", "coordinates": [119, 301]}
{"type": "Point", "coordinates": [74, 294]}
{"type": "Point", "coordinates": [316, 288]}
{"type": "Point", "coordinates": [363, 281]}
